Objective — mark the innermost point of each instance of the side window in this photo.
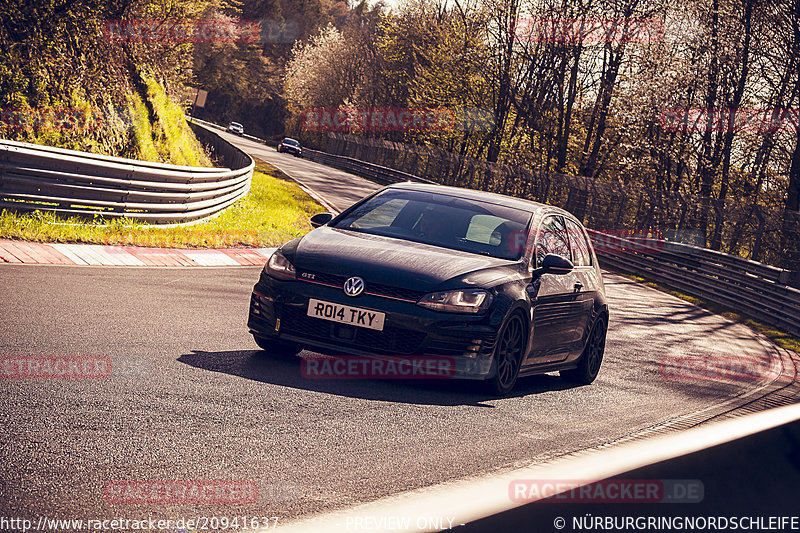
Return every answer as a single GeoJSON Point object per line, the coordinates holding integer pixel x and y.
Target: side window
{"type": "Point", "coordinates": [580, 249]}
{"type": "Point", "coordinates": [552, 239]}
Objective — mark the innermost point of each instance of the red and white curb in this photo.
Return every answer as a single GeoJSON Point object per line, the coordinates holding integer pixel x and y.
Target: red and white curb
{"type": "Point", "coordinates": [102, 255]}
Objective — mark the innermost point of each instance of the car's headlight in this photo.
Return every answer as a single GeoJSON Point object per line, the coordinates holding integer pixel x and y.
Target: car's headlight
{"type": "Point", "coordinates": [458, 301]}
{"type": "Point", "coordinates": [280, 268]}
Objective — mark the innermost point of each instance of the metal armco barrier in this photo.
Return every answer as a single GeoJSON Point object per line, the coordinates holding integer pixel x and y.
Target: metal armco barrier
{"type": "Point", "coordinates": [370, 171]}
{"type": "Point", "coordinates": [34, 177]}
{"type": "Point", "coordinates": [754, 289]}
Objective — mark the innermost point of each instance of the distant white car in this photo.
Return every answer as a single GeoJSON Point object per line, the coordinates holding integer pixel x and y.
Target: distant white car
{"type": "Point", "coordinates": [235, 127]}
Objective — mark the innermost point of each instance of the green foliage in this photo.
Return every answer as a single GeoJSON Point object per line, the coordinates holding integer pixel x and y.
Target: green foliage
{"type": "Point", "coordinates": [64, 82]}
{"type": "Point", "coordinates": [245, 80]}
{"type": "Point", "coordinates": [170, 136]}
{"type": "Point", "coordinates": [142, 130]}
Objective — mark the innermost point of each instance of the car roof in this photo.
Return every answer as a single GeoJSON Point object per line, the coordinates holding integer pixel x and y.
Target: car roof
{"type": "Point", "coordinates": [235, 124]}
{"type": "Point", "coordinates": [472, 194]}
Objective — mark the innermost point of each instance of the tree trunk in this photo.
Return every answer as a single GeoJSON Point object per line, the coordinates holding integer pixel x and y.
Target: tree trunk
{"type": "Point", "coordinates": [706, 168]}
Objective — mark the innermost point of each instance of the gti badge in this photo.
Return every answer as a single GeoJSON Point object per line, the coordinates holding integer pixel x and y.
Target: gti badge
{"type": "Point", "coordinates": [354, 286]}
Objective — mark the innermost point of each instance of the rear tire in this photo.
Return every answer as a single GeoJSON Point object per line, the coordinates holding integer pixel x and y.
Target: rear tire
{"type": "Point", "coordinates": [591, 358]}
{"type": "Point", "coordinates": [508, 354]}
{"type": "Point", "coordinates": [277, 347]}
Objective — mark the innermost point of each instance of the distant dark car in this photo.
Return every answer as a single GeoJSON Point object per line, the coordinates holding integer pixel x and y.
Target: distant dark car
{"type": "Point", "coordinates": [504, 287]}
{"type": "Point", "coordinates": [235, 127]}
{"type": "Point", "coordinates": [290, 146]}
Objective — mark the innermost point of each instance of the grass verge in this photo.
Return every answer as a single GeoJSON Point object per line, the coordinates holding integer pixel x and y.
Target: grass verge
{"type": "Point", "coordinates": [779, 337]}
{"type": "Point", "coordinates": [274, 211]}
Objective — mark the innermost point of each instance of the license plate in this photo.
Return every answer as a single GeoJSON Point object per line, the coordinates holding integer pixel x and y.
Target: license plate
{"type": "Point", "coordinates": [344, 314]}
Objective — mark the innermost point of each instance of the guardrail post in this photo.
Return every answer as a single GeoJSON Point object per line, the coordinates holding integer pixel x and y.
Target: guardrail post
{"type": "Point", "coordinates": [719, 222]}
{"type": "Point", "coordinates": [648, 218]}
{"type": "Point", "coordinates": [590, 216]}
{"type": "Point", "coordinates": [682, 218]}
{"type": "Point", "coordinates": [618, 219]}
{"type": "Point", "coordinates": [756, 253]}
{"type": "Point", "coordinates": [547, 182]}
{"type": "Point", "coordinates": [428, 158]}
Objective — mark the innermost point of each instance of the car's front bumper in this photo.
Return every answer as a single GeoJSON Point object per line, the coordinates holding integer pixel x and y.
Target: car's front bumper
{"type": "Point", "coordinates": [279, 310]}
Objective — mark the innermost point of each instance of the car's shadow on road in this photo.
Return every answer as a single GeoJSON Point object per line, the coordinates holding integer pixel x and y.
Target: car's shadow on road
{"type": "Point", "coordinates": [285, 371]}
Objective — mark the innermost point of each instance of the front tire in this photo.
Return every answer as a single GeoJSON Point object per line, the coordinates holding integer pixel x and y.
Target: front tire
{"type": "Point", "coordinates": [508, 354]}
{"type": "Point", "coordinates": [591, 358]}
{"type": "Point", "coordinates": [277, 347]}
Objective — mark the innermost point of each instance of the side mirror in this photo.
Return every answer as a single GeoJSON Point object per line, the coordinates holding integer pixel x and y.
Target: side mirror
{"type": "Point", "coordinates": [554, 264]}
{"type": "Point", "coordinates": [320, 219]}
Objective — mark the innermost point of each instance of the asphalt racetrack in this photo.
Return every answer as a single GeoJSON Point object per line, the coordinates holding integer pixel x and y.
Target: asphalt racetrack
{"type": "Point", "coordinates": [190, 396]}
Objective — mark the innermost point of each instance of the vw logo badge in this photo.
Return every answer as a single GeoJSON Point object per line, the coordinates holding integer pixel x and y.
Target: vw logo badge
{"type": "Point", "coordinates": [354, 286]}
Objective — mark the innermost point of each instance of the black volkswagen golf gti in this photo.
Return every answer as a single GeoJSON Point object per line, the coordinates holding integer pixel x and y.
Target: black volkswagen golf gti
{"type": "Point", "coordinates": [503, 287]}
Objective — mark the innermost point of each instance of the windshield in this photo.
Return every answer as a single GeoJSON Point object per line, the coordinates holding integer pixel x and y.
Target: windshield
{"type": "Point", "coordinates": [236, 125]}
{"type": "Point", "coordinates": [291, 142]}
{"type": "Point", "coordinates": [442, 220]}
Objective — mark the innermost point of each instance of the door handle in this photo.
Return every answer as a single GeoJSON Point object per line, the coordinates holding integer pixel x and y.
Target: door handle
{"type": "Point", "coordinates": [578, 286]}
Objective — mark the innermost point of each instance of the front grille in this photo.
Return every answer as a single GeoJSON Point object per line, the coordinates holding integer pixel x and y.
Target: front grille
{"type": "Point", "coordinates": [389, 341]}
{"type": "Point", "coordinates": [374, 289]}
